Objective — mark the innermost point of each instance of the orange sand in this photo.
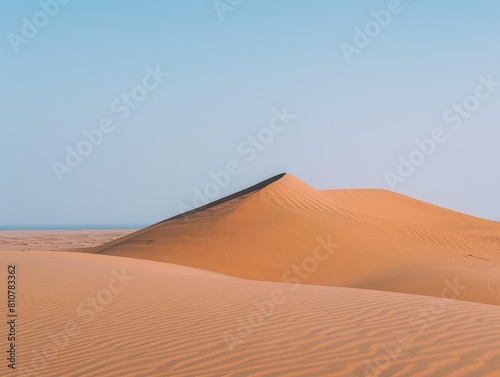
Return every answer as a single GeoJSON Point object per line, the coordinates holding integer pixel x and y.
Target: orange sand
{"type": "Point", "coordinates": [348, 283]}
{"type": "Point", "coordinates": [178, 321]}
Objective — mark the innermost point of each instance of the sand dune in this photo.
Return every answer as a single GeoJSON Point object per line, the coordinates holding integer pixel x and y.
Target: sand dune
{"type": "Point", "coordinates": [169, 320]}
{"type": "Point", "coordinates": [348, 283]}
{"type": "Point", "coordinates": [395, 207]}
{"type": "Point", "coordinates": [285, 231]}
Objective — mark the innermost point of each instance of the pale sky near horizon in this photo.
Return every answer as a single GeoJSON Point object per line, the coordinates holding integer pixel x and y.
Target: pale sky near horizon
{"type": "Point", "coordinates": [351, 114]}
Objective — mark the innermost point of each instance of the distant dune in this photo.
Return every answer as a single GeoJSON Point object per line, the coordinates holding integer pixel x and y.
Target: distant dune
{"type": "Point", "coordinates": [285, 231]}
{"type": "Point", "coordinates": [50, 240]}
{"type": "Point", "coordinates": [88, 315]}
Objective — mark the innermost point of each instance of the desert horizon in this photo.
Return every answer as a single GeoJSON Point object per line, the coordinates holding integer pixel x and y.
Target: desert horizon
{"type": "Point", "coordinates": [278, 279]}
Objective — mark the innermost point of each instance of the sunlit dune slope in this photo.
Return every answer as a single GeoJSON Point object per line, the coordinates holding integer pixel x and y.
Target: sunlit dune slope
{"type": "Point", "coordinates": [284, 230]}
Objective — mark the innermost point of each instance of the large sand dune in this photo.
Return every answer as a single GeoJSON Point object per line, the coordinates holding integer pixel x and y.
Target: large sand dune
{"type": "Point", "coordinates": [285, 231]}
{"type": "Point", "coordinates": [168, 320]}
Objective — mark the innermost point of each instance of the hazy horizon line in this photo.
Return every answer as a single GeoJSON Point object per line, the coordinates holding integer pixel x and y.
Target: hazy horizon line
{"type": "Point", "coordinates": [75, 227]}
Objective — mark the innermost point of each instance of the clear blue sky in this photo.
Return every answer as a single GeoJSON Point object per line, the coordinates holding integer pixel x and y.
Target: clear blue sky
{"type": "Point", "coordinates": [354, 116]}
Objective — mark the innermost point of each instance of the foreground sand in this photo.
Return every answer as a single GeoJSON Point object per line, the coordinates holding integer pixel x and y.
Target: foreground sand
{"type": "Point", "coordinates": [168, 320]}
{"type": "Point", "coordinates": [287, 231]}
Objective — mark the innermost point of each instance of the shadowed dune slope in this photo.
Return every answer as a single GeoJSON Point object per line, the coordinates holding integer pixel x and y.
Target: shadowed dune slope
{"type": "Point", "coordinates": [286, 231]}
{"type": "Point", "coordinates": [88, 315]}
